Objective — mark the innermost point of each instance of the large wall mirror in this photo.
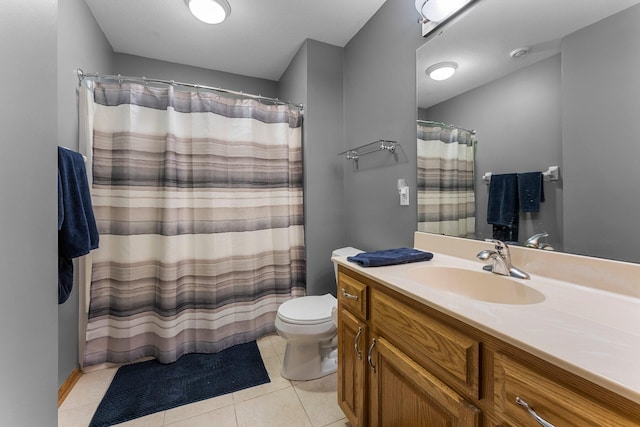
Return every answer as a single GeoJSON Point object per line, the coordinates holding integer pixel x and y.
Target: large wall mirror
{"type": "Point", "coordinates": [548, 83]}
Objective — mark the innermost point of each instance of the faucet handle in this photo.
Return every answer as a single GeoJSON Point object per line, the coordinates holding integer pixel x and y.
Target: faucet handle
{"type": "Point", "coordinates": [534, 241]}
{"type": "Point", "coordinates": [502, 248]}
{"type": "Point", "coordinates": [499, 245]}
{"type": "Point", "coordinates": [486, 254]}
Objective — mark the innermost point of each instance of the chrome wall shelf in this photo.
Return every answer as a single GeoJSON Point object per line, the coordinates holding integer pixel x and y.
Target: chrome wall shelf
{"type": "Point", "coordinates": [372, 147]}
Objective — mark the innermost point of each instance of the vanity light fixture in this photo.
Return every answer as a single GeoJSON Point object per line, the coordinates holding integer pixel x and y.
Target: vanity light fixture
{"type": "Point", "coordinates": [433, 10]}
{"type": "Point", "coordinates": [437, 11]}
{"type": "Point", "coordinates": [442, 70]}
{"type": "Point", "coordinates": [209, 11]}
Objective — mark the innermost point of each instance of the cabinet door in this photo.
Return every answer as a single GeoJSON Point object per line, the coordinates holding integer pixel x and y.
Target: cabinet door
{"type": "Point", "coordinates": [405, 394]}
{"type": "Point", "coordinates": [444, 351]}
{"type": "Point", "coordinates": [352, 341]}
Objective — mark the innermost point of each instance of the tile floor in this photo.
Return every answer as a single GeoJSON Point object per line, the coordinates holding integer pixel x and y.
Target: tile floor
{"type": "Point", "coordinates": [280, 403]}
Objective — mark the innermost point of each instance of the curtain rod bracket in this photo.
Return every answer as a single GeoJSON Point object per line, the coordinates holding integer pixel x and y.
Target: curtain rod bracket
{"type": "Point", "coordinates": [80, 75]}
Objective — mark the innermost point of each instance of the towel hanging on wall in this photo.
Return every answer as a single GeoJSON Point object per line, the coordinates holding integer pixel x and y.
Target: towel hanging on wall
{"type": "Point", "coordinates": [77, 230]}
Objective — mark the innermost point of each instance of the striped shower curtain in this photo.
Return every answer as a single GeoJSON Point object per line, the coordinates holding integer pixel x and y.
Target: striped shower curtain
{"type": "Point", "coordinates": [199, 204]}
{"type": "Point", "coordinates": [446, 196]}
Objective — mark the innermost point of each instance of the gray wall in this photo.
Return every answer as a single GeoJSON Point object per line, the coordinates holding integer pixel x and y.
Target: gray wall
{"type": "Point", "coordinates": [136, 66]}
{"type": "Point", "coordinates": [315, 77]}
{"type": "Point", "coordinates": [518, 124]}
{"type": "Point", "coordinates": [601, 98]}
{"type": "Point", "coordinates": [380, 103]}
{"type": "Point", "coordinates": [81, 44]}
{"type": "Point", "coordinates": [293, 82]}
{"type": "Point", "coordinates": [28, 212]}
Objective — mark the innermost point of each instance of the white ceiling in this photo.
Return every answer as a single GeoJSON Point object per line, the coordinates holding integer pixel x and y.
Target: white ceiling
{"type": "Point", "coordinates": [258, 39]}
{"type": "Point", "coordinates": [482, 39]}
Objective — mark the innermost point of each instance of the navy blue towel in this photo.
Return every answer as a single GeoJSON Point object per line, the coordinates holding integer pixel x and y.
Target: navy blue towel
{"type": "Point", "coordinates": [506, 233]}
{"type": "Point", "coordinates": [60, 202]}
{"type": "Point", "coordinates": [502, 208]}
{"type": "Point", "coordinates": [530, 191]}
{"type": "Point", "coordinates": [390, 257]}
{"type": "Point", "coordinates": [77, 230]}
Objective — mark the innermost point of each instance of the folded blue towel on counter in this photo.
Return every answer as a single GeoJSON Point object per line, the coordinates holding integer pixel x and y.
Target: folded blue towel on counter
{"type": "Point", "coordinates": [390, 257]}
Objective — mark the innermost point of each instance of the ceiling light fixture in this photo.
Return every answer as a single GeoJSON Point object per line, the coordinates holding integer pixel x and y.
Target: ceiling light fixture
{"type": "Point", "coordinates": [209, 11]}
{"type": "Point", "coordinates": [442, 70]}
{"type": "Point", "coordinates": [520, 52]}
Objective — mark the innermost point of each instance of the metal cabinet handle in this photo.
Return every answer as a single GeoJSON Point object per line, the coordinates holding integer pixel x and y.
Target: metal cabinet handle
{"type": "Point", "coordinates": [369, 357]}
{"type": "Point", "coordinates": [348, 295]}
{"type": "Point", "coordinates": [358, 352]}
{"type": "Point", "coordinates": [535, 416]}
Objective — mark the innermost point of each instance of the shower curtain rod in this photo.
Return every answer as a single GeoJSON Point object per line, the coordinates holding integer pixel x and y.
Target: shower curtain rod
{"type": "Point", "coordinates": [471, 131]}
{"type": "Point", "coordinates": [82, 75]}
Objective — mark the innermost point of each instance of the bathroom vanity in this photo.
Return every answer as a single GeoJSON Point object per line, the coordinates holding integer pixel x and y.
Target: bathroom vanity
{"type": "Point", "coordinates": [413, 354]}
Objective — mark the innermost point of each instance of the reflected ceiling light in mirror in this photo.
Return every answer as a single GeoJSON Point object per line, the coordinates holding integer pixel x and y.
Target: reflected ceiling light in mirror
{"type": "Point", "coordinates": [209, 11]}
{"type": "Point", "coordinates": [519, 52]}
{"type": "Point", "coordinates": [442, 70]}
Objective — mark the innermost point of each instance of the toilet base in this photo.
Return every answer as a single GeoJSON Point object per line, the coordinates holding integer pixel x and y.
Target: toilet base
{"type": "Point", "coordinates": [308, 361]}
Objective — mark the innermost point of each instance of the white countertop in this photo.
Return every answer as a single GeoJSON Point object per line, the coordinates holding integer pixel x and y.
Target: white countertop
{"type": "Point", "coordinates": [590, 332]}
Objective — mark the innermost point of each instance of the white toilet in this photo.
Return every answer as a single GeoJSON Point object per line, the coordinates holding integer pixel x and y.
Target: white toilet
{"type": "Point", "coordinates": [309, 326]}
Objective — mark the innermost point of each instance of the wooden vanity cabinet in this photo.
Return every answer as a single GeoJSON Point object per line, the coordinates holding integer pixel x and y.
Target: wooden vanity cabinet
{"type": "Point", "coordinates": [379, 382]}
{"type": "Point", "coordinates": [402, 363]}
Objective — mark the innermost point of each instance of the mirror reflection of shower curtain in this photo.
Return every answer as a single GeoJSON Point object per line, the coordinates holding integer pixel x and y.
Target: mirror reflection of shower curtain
{"type": "Point", "coordinates": [446, 196]}
{"type": "Point", "coordinates": [199, 204]}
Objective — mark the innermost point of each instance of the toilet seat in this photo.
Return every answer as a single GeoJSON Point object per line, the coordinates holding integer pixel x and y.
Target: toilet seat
{"type": "Point", "coordinates": [309, 310]}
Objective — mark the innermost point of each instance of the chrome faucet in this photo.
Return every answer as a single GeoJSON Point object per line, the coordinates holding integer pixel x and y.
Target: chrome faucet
{"type": "Point", "coordinates": [501, 260]}
{"type": "Point", "coordinates": [534, 242]}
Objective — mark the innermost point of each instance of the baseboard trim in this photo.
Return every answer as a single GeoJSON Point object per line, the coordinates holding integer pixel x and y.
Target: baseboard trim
{"type": "Point", "coordinates": [68, 384]}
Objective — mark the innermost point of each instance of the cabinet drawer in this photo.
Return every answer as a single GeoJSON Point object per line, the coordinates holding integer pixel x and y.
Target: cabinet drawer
{"type": "Point", "coordinates": [551, 401]}
{"type": "Point", "coordinates": [352, 295]}
{"type": "Point", "coordinates": [433, 344]}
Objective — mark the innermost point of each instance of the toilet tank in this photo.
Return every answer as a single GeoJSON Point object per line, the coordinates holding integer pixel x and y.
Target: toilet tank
{"type": "Point", "coordinates": [348, 251]}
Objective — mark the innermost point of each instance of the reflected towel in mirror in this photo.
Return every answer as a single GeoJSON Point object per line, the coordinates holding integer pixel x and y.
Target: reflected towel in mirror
{"type": "Point", "coordinates": [530, 191]}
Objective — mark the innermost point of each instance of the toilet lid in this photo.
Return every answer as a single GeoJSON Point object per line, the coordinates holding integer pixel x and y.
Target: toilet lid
{"type": "Point", "coordinates": [309, 310]}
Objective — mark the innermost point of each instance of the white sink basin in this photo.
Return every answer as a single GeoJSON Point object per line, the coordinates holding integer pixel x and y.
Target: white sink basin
{"type": "Point", "coordinates": [478, 285]}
